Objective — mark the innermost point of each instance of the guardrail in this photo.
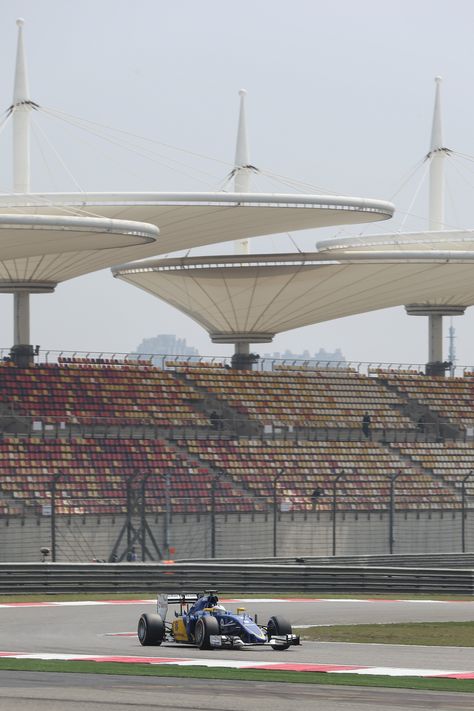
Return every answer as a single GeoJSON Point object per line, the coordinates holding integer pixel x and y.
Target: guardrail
{"type": "Point", "coordinates": [237, 578]}
{"type": "Point", "coordinates": [402, 560]}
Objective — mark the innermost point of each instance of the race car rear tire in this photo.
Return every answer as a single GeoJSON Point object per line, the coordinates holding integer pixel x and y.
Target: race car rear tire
{"type": "Point", "coordinates": [151, 630]}
{"type": "Point", "coordinates": [276, 626]}
{"type": "Point", "coordinates": [205, 626]}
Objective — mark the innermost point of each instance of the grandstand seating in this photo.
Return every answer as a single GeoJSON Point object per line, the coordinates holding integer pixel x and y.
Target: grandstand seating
{"type": "Point", "coordinates": [449, 461]}
{"type": "Point", "coordinates": [308, 466]}
{"type": "Point", "coordinates": [452, 399]}
{"type": "Point", "coordinates": [328, 398]}
{"type": "Point", "coordinates": [93, 475]}
{"type": "Point", "coordinates": [81, 391]}
{"type": "Point", "coordinates": [94, 472]}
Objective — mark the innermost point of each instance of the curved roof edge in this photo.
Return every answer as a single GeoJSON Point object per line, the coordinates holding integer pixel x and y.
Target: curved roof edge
{"type": "Point", "coordinates": [221, 261]}
{"type": "Point", "coordinates": [82, 200]}
{"type": "Point", "coordinates": [143, 230]}
{"type": "Point", "coordinates": [395, 239]}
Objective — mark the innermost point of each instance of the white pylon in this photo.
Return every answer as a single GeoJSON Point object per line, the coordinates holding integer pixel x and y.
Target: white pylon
{"type": "Point", "coordinates": [436, 155]}
{"type": "Point", "coordinates": [242, 172]}
{"type": "Point", "coordinates": [241, 169]}
{"type": "Point", "coordinates": [435, 312]}
{"type": "Point", "coordinates": [21, 109]}
{"type": "Point", "coordinates": [436, 215]}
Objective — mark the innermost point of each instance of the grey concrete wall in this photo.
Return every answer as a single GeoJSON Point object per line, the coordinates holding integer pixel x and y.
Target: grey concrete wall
{"type": "Point", "coordinates": [241, 535]}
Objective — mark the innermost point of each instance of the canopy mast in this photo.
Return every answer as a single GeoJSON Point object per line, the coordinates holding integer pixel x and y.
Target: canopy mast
{"type": "Point", "coordinates": [436, 215]}
{"type": "Point", "coordinates": [436, 156]}
{"type": "Point", "coordinates": [21, 109]}
{"type": "Point", "coordinates": [435, 312]}
{"type": "Point", "coordinates": [242, 168]}
{"type": "Point", "coordinates": [242, 358]}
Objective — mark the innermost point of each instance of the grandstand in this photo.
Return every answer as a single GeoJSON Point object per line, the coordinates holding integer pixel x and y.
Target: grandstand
{"type": "Point", "coordinates": [108, 440]}
{"type": "Point", "coordinates": [327, 398]}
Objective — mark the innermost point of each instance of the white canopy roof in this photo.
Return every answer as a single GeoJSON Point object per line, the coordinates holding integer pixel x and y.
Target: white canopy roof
{"type": "Point", "coordinates": [254, 297]}
{"type": "Point", "coordinates": [397, 244]}
{"type": "Point", "coordinates": [189, 220]}
{"type": "Point", "coordinates": [38, 251]}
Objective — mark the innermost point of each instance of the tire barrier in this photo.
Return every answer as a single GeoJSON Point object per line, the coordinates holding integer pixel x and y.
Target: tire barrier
{"type": "Point", "coordinates": [235, 578]}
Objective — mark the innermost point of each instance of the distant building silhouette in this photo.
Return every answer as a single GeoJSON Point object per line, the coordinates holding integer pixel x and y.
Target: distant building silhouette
{"type": "Point", "coordinates": [321, 356]}
{"type": "Point", "coordinates": [166, 344]}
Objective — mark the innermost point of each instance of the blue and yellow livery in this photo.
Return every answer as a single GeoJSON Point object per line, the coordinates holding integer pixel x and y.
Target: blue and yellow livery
{"type": "Point", "coordinates": [203, 622]}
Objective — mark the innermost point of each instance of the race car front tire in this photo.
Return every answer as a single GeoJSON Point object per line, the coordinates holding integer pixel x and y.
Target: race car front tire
{"type": "Point", "coordinates": [277, 626]}
{"type": "Point", "coordinates": [205, 627]}
{"type": "Point", "coordinates": [151, 630]}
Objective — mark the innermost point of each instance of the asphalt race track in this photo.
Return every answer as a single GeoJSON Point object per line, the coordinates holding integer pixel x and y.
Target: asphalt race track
{"type": "Point", "coordinates": [110, 630]}
{"type": "Point", "coordinates": [22, 691]}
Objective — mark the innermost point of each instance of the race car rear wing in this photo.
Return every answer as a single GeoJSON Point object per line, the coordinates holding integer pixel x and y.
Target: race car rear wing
{"type": "Point", "coordinates": [163, 600]}
{"type": "Point", "coordinates": [183, 598]}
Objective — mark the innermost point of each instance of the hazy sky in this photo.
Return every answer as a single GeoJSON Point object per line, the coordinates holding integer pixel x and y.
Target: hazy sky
{"type": "Point", "coordinates": [340, 96]}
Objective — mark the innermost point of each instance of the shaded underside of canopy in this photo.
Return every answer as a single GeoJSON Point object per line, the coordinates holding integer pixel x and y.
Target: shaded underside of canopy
{"type": "Point", "coordinates": [49, 249]}
{"type": "Point", "coordinates": [269, 294]}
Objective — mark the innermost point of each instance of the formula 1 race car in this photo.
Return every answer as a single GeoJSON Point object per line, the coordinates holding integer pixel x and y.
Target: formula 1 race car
{"type": "Point", "coordinates": [208, 625]}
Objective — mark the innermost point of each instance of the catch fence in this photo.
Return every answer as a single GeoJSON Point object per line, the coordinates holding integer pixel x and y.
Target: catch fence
{"type": "Point", "coordinates": [145, 517]}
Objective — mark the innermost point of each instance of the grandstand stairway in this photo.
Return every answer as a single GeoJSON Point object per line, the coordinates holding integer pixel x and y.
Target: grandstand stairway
{"type": "Point", "coordinates": [215, 471]}
{"type": "Point", "coordinates": [419, 469]}
{"type": "Point", "coordinates": [434, 426]}
{"type": "Point", "coordinates": [233, 421]}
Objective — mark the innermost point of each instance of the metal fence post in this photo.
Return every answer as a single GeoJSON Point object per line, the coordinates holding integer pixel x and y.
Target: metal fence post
{"type": "Point", "coordinates": [53, 488]}
{"type": "Point", "coordinates": [391, 516]}
{"type": "Point", "coordinates": [167, 478]}
{"type": "Point", "coordinates": [276, 479]}
{"type": "Point", "coordinates": [130, 480]}
{"type": "Point", "coordinates": [214, 485]}
{"type": "Point", "coordinates": [167, 514]}
{"type": "Point", "coordinates": [143, 515]}
{"type": "Point", "coordinates": [463, 510]}
{"type": "Point", "coordinates": [334, 508]}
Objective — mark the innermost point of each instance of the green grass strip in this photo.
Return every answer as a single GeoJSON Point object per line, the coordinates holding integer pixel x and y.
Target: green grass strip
{"type": "Point", "coordinates": [169, 670]}
{"type": "Point", "coordinates": [437, 634]}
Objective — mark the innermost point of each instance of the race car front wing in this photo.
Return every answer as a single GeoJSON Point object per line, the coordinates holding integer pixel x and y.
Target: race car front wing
{"type": "Point", "coordinates": [283, 639]}
{"type": "Point", "coordinates": [227, 640]}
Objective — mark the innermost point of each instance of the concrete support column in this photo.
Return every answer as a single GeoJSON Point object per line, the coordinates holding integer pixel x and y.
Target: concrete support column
{"type": "Point", "coordinates": [435, 338]}
{"type": "Point", "coordinates": [242, 358]}
{"type": "Point", "coordinates": [435, 364]}
{"type": "Point", "coordinates": [21, 318]}
{"type": "Point", "coordinates": [242, 348]}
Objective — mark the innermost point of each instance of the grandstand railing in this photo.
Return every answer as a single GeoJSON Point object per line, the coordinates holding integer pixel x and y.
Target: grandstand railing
{"type": "Point", "coordinates": [263, 364]}
{"type": "Point", "coordinates": [16, 423]}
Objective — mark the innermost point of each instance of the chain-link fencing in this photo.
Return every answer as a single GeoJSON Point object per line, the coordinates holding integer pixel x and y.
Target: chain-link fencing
{"type": "Point", "coordinates": [144, 517]}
